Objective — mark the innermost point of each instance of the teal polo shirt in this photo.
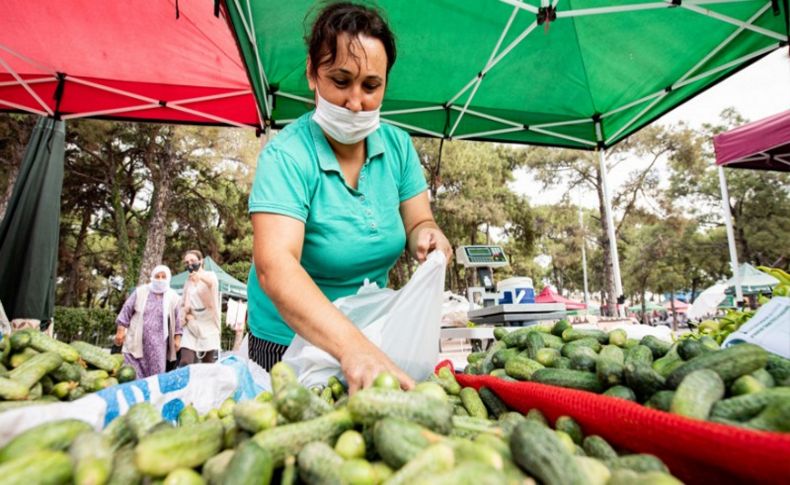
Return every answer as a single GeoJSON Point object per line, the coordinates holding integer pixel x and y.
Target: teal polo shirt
{"type": "Point", "coordinates": [350, 234]}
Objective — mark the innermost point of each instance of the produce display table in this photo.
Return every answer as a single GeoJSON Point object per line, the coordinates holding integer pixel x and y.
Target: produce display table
{"type": "Point", "coordinates": [696, 451]}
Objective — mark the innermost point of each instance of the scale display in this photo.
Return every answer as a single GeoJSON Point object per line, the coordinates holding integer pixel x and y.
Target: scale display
{"type": "Point", "coordinates": [478, 256]}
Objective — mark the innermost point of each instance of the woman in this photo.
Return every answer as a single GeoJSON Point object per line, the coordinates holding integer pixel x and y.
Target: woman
{"type": "Point", "coordinates": [336, 198]}
{"type": "Point", "coordinates": [201, 313]}
{"type": "Point", "coordinates": [148, 325]}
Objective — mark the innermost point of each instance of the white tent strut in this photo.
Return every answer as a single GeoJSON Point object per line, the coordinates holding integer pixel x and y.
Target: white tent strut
{"type": "Point", "coordinates": [725, 209]}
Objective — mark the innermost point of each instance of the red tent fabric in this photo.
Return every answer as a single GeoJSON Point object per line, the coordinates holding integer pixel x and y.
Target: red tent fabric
{"type": "Point", "coordinates": [761, 145]}
{"type": "Point", "coordinates": [548, 295]}
{"type": "Point", "coordinates": [125, 60]}
{"type": "Point", "coordinates": [679, 306]}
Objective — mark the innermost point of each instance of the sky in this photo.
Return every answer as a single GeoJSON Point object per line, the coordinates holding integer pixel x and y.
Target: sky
{"type": "Point", "coordinates": [760, 90]}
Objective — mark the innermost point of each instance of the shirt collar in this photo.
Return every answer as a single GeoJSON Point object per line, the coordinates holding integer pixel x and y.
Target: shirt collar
{"type": "Point", "coordinates": [326, 157]}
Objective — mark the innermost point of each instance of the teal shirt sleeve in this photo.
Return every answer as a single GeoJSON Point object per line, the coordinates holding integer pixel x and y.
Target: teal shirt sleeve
{"type": "Point", "coordinates": [412, 179]}
{"type": "Point", "coordinates": [281, 185]}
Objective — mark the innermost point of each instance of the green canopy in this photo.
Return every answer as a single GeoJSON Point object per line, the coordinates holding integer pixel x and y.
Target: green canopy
{"type": "Point", "coordinates": [753, 281]}
{"type": "Point", "coordinates": [650, 306]}
{"type": "Point", "coordinates": [29, 230]}
{"type": "Point", "coordinates": [228, 285]}
{"type": "Point", "coordinates": [576, 73]}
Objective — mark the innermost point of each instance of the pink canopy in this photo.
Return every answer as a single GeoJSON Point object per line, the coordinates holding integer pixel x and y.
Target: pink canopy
{"type": "Point", "coordinates": [548, 295]}
{"type": "Point", "coordinates": [130, 59]}
{"type": "Point", "coordinates": [761, 145]}
{"type": "Point", "coordinates": [679, 306]}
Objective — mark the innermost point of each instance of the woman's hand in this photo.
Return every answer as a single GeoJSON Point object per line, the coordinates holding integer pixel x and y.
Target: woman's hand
{"type": "Point", "coordinates": [120, 335]}
{"type": "Point", "coordinates": [362, 366]}
{"type": "Point", "coordinates": [177, 342]}
{"type": "Point", "coordinates": [429, 239]}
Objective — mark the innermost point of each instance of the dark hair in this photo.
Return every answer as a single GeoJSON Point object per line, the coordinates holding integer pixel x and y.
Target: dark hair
{"type": "Point", "coordinates": [346, 18]}
{"type": "Point", "coordinates": [195, 253]}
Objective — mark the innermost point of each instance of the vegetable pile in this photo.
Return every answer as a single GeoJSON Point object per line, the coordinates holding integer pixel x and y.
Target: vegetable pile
{"type": "Point", "coordinates": [36, 369]}
{"type": "Point", "coordinates": [741, 385]}
{"type": "Point", "coordinates": [439, 433]}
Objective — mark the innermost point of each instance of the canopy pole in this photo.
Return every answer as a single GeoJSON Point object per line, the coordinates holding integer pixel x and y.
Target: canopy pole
{"type": "Point", "coordinates": [584, 256]}
{"type": "Point", "coordinates": [618, 285]}
{"type": "Point", "coordinates": [725, 209]}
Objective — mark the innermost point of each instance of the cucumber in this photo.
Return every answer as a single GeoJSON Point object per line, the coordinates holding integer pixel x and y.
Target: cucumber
{"type": "Point", "coordinates": [568, 425]}
{"type": "Point", "coordinates": [319, 464]}
{"type": "Point", "coordinates": [92, 455]}
{"type": "Point", "coordinates": [183, 476]}
{"type": "Point", "coordinates": [746, 385]}
{"type": "Point", "coordinates": [20, 358]}
{"type": "Point", "coordinates": [593, 471]}
{"type": "Point", "coordinates": [350, 445]}
{"type": "Point", "coordinates": [609, 365]}
{"type": "Point", "coordinates": [126, 373]}
{"type": "Point", "coordinates": [66, 373]}
{"type": "Point", "coordinates": [11, 390]}
{"type": "Point", "coordinates": [583, 361]}
{"type": "Point", "coordinates": [469, 473]}
{"type": "Point", "coordinates": [96, 356]}
{"type": "Point", "coordinates": [521, 367]}
{"type": "Point", "coordinates": [297, 403]}
{"type": "Point", "coordinates": [249, 465]}
{"type": "Point", "coordinates": [141, 418]}
{"type": "Point", "coordinates": [551, 342]}
{"type": "Point", "coordinates": [639, 353]}
{"type": "Point", "coordinates": [747, 406]}
{"type": "Point", "coordinates": [32, 370]}
{"type": "Point", "coordinates": [621, 392]}
{"type": "Point", "coordinates": [502, 356]}
{"type": "Point", "coordinates": [19, 341]}
{"type": "Point", "coordinates": [499, 333]}
{"type": "Point", "coordinates": [574, 379]}
{"type": "Point", "coordinates": [662, 400]}
{"type": "Point", "coordinates": [764, 377]}
{"type": "Point", "coordinates": [540, 453]}
{"type": "Point", "coordinates": [562, 363]}
{"type": "Point", "coordinates": [432, 389]}
{"type": "Point", "coordinates": [446, 379]}
{"type": "Point", "coordinates": [624, 476]}
{"type": "Point", "coordinates": [398, 441]}
{"type": "Point", "coordinates": [639, 463]}
{"type": "Point", "coordinates": [357, 470]}
{"type": "Point", "coordinates": [690, 348]}
{"type": "Point", "coordinates": [214, 468]}
{"type": "Point", "coordinates": [124, 471]}
{"type": "Point", "coordinates": [487, 364]}
{"type": "Point", "coordinates": [533, 344]}
{"type": "Point", "coordinates": [254, 416]}
{"type": "Point", "coordinates": [618, 337]}
{"type": "Point", "coordinates": [42, 467]}
{"type": "Point", "coordinates": [282, 441]}
{"type": "Point", "coordinates": [778, 367]}
{"type": "Point", "coordinates": [57, 435]}
{"type": "Point", "coordinates": [44, 343]}
{"type": "Point", "coordinates": [571, 334]}
{"type": "Point", "coordinates": [774, 417]}
{"type": "Point", "coordinates": [668, 363]}
{"type": "Point", "coordinates": [536, 415]}
{"type": "Point", "coordinates": [160, 453]}
{"type": "Point", "coordinates": [226, 408]}
{"type": "Point", "coordinates": [369, 405]}
{"type": "Point", "coordinates": [569, 348]}
{"type": "Point", "coordinates": [729, 363]}
{"type": "Point", "coordinates": [475, 357]}
{"type": "Point", "coordinates": [547, 357]}
{"type": "Point", "coordinates": [188, 416]}
{"type": "Point", "coordinates": [697, 393]}
{"type": "Point", "coordinates": [516, 338]}
{"type": "Point", "coordinates": [434, 459]}
{"type": "Point", "coordinates": [597, 447]}
{"type": "Point", "coordinates": [560, 327]}
{"type": "Point", "coordinates": [495, 406]}
{"type": "Point", "coordinates": [473, 404]}
{"type": "Point", "coordinates": [266, 396]}
{"type": "Point", "coordinates": [118, 433]}
{"type": "Point", "coordinates": [644, 381]}
{"type": "Point", "coordinates": [508, 422]}
{"type": "Point", "coordinates": [658, 347]}
{"type": "Point", "coordinates": [92, 380]}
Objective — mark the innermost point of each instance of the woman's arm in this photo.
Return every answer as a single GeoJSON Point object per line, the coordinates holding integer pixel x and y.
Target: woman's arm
{"type": "Point", "coordinates": [125, 318]}
{"type": "Point", "coordinates": [422, 233]}
{"type": "Point", "coordinates": [277, 250]}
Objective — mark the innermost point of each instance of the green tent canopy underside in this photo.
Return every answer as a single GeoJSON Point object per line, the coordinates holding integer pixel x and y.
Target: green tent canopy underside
{"type": "Point", "coordinates": [228, 285]}
{"type": "Point", "coordinates": [592, 74]}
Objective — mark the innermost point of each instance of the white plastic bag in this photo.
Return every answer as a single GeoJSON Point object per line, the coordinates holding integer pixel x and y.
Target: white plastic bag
{"type": "Point", "coordinates": [404, 324]}
{"type": "Point", "coordinates": [455, 310]}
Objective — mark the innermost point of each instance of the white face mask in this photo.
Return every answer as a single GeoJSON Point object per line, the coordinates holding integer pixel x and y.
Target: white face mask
{"type": "Point", "coordinates": [344, 125]}
{"type": "Point", "coordinates": [160, 286]}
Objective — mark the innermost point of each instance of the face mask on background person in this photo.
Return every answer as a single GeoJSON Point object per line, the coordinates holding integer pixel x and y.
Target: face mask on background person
{"type": "Point", "coordinates": [193, 267]}
{"type": "Point", "coordinates": [160, 285]}
{"type": "Point", "coordinates": [344, 125]}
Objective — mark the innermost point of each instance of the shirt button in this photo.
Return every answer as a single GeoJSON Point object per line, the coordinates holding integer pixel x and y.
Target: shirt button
{"type": "Point", "coordinates": [362, 198]}
{"type": "Point", "coordinates": [372, 225]}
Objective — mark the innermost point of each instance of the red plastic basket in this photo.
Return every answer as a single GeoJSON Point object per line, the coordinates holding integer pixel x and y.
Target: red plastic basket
{"type": "Point", "coordinates": [697, 452]}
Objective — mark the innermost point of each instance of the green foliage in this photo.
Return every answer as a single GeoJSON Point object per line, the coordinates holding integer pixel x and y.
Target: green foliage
{"type": "Point", "coordinates": [93, 325]}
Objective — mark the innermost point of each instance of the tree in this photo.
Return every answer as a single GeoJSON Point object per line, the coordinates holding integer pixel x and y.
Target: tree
{"type": "Point", "coordinates": [15, 132]}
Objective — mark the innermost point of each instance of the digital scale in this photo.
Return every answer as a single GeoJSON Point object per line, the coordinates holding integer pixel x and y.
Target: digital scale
{"type": "Point", "coordinates": [484, 258]}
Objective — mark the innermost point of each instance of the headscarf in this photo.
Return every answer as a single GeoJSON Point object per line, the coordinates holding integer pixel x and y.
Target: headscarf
{"type": "Point", "coordinates": [160, 286]}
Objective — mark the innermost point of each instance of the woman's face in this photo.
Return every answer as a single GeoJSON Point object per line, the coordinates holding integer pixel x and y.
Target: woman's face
{"type": "Point", "coordinates": [190, 259]}
{"type": "Point", "coordinates": [357, 79]}
{"type": "Point", "coordinates": [160, 275]}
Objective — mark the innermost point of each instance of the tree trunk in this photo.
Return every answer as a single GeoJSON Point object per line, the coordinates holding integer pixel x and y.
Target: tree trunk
{"type": "Point", "coordinates": [121, 232]}
{"type": "Point", "coordinates": [73, 289]}
{"type": "Point", "coordinates": [157, 222]}
{"type": "Point", "coordinates": [645, 319]}
{"type": "Point", "coordinates": [608, 279]}
{"type": "Point", "coordinates": [672, 307]}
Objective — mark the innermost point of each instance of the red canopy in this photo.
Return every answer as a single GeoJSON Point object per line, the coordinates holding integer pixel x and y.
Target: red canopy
{"type": "Point", "coordinates": [548, 295]}
{"type": "Point", "coordinates": [679, 306]}
{"type": "Point", "coordinates": [761, 145]}
{"type": "Point", "coordinates": [128, 59]}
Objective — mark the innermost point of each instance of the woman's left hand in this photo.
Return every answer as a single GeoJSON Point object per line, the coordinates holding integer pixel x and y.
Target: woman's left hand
{"type": "Point", "coordinates": [429, 239]}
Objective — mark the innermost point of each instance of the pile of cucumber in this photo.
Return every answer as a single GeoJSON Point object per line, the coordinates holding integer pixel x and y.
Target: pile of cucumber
{"type": "Point", "coordinates": [743, 385]}
{"type": "Point", "coordinates": [36, 369]}
{"type": "Point", "coordinates": [438, 433]}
